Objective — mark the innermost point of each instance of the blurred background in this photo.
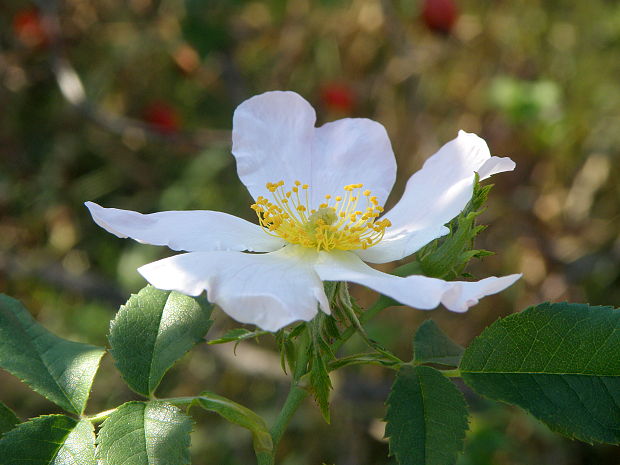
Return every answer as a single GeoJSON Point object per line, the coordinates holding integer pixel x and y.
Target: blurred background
{"type": "Point", "coordinates": [129, 103]}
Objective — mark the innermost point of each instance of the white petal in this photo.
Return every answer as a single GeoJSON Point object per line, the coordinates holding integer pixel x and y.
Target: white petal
{"type": "Point", "coordinates": [415, 291]}
{"type": "Point", "coordinates": [352, 151]}
{"type": "Point", "coordinates": [435, 195]}
{"type": "Point", "coordinates": [465, 294]}
{"type": "Point", "coordinates": [495, 165]}
{"type": "Point", "coordinates": [186, 230]}
{"type": "Point", "coordinates": [274, 139]}
{"type": "Point", "coordinates": [268, 290]}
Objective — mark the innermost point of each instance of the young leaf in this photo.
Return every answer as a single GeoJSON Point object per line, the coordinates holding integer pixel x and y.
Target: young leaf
{"type": "Point", "coordinates": [8, 419]}
{"type": "Point", "coordinates": [152, 331]}
{"type": "Point", "coordinates": [432, 345]}
{"type": "Point", "coordinates": [561, 362]}
{"type": "Point", "coordinates": [49, 440]}
{"type": "Point", "coordinates": [239, 415]}
{"type": "Point", "coordinates": [60, 370]}
{"type": "Point", "coordinates": [145, 433]}
{"type": "Point", "coordinates": [426, 418]}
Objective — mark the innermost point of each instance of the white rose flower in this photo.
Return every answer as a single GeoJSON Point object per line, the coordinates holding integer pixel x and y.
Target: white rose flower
{"type": "Point", "coordinates": [319, 194]}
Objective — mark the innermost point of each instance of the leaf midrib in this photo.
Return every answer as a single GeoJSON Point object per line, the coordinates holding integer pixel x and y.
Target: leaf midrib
{"type": "Point", "coordinates": [151, 390]}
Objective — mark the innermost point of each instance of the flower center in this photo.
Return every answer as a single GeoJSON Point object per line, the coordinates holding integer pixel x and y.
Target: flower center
{"type": "Point", "coordinates": [335, 224]}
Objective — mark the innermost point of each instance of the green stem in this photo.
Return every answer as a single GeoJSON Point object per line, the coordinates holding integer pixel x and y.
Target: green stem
{"type": "Point", "coordinates": [295, 396]}
{"type": "Point", "coordinates": [456, 373]}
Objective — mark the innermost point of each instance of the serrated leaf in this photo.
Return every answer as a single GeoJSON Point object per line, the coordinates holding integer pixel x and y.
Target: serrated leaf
{"type": "Point", "coordinates": [145, 433]}
{"type": "Point", "coordinates": [152, 331]}
{"type": "Point", "coordinates": [239, 415]}
{"type": "Point", "coordinates": [79, 446]}
{"type": "Point", "coordinates": [432, 345]}
{"type": "Point", "coordinates": [8, 419]}
{"type": "Point", "coordinates": [561, 362]}
{"type": "Point", "coordinates": [237, 335]}
{"type": "Point", "coordinates": [60, 370]}
{"type": "Point", "coordinates": [49, 440]}
{"type": "Point", "coordinates": [426, 418]}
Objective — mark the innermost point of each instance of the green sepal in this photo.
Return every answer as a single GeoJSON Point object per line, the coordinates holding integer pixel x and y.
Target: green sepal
{"type": "Point", "coordinates": [560, 362]}
{"type": "Point", "coordinates": [60, 370]}
{"type": "Point", "coordinates": [432, 345]}
{"type": "Point", "coordinates": [447, 257]}
{"type": "Point", "coordinates": [320, 383]}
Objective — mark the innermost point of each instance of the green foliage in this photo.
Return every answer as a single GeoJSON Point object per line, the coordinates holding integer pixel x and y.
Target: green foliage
{"type": "Point", "coordinates": [432, 345]}
{"type": "Point", "coordinates": [526, 101]}
{"type": "Point", "coordinates": [239, 415]}
{"type": "Point", "coordinates": [145, 433]}
{"type": "Point", "coordinates": [560, 362]}
{"type": "Point", "coordinates": [447, 257]}
{"type": "Point", "coordinates": [152, 331]}
{"type": "Point", "coordinates": [49, 440]}
{"type": "Point", "coordinates": [8, 419]}
{"type": "Point", "coordinates": [61, 370]}
{"type": "Point", "coordinates": [426, 418]}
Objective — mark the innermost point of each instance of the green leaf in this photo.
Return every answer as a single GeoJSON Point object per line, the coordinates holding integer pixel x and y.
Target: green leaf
{"type": "Point", "coordinates": [237, 335]}
{"type": "Point", "coordinates": [60, 370]}
{"type": "Point", "coordinates": [8, 419]}
{"type": "Point", "coordinates": [152, 331]}
{"type": "Point", "coordinates": [49, 440]}
{"type": "Point", "coordinates": [426, 418]}
{"type": "Point", "coordinates": [145, 433]}
{"type": "Point", "coordinates": [432, 345]}
{"type": "Point", "coordinates": [561, 362]}
{"type": "Point", "coordinates": [239, 415]}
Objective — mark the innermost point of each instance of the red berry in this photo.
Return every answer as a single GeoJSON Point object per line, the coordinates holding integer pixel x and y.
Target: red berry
{"type": "Point", "coordinates": [28, 28]}
{"type": "Point", "coordinates": [163, 117]}
{"type": "Point", "coordinates": [338, 97]}
{"type": "Point", "coordinates": [440, 15]}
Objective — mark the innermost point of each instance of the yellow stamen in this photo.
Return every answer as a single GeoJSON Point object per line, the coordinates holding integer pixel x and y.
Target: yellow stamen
{"type": "Point", "coordinates": [337, 224]}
